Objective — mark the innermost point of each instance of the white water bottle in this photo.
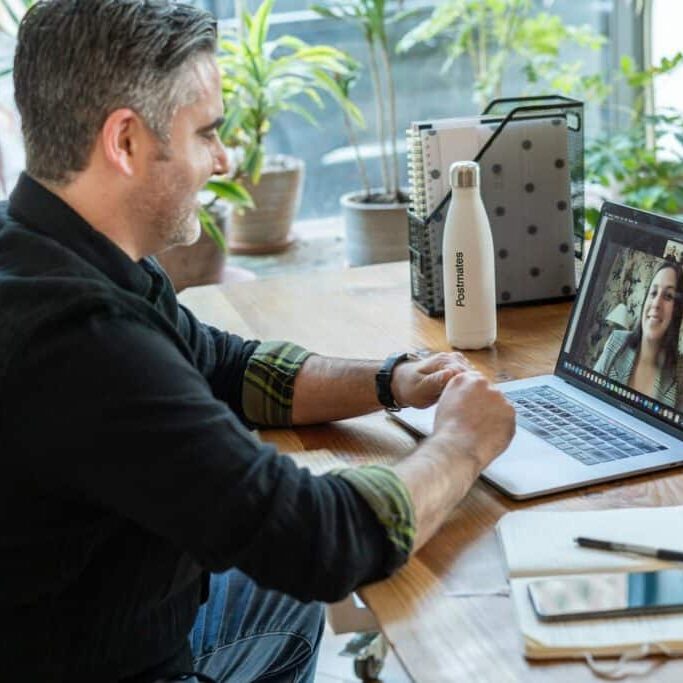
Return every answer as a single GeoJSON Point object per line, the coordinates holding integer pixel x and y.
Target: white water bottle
{"type": "Point", "coordinates": [468, 263]}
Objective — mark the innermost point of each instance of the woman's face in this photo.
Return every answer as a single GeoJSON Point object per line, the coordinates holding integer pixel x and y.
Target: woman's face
{"type": "Point", "coordinates": [659, 305]}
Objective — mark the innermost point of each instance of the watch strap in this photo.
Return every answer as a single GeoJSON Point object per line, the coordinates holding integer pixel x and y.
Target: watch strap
{"type": "Point", "coordinates": [383, 380]}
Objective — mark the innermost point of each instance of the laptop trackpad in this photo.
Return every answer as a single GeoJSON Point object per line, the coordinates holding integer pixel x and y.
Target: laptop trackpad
{"type": "Point", "coordinates": [542, 464]}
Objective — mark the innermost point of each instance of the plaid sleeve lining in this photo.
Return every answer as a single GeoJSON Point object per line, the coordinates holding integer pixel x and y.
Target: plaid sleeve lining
{"type": "Point", "coordinates": [268, 388]}
{"type": "Point", "coordinates": [389, 499]}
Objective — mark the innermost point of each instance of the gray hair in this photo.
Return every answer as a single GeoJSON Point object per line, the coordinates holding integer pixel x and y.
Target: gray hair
{"type": "Point", "coordinates": [77, 61]}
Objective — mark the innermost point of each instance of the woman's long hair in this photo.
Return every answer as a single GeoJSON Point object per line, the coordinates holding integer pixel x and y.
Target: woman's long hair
{"type": "Point", "coordinates": [669, 346]}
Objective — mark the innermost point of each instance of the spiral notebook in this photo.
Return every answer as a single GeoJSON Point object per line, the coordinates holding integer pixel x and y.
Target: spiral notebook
{"type": "Point", "coordinates": [432, 147]}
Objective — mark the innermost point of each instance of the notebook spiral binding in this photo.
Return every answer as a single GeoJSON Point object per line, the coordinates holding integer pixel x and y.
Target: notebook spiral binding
{"type": "Point", "coordinates": [418, 198]}
{"type": "Point", "coordinates": [425, 232]}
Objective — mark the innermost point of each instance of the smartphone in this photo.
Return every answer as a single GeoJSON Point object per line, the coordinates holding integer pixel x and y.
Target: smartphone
{"type": "Point", "coordinates": [593, 596]}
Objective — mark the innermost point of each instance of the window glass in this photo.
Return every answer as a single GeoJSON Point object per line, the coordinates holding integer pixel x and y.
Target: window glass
{"type": "Point", "coordinates": [667, 19]}
{"type": "Point", "coordinates": [423, 92]}
{"type": "Point", "coordinates": [11, 147]}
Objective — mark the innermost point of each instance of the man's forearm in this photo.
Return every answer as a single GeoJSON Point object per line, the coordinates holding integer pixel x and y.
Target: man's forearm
{"type": "Point", "coordinates": [329, 389]}
{"type": "Point", "coordinates": [333, 389]}
{"type": "Point", "coordinates": [437, 475]}
{"type": "Point", "coordinates": [473, 423]}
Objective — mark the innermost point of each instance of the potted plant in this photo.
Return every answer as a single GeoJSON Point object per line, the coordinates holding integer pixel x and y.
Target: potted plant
{"type": "Point", "coordinates": [374, 218]}
{"type": "Point", "coordinates": [642, 164]}
{"type": "Point", "coordinates": [261, 79]}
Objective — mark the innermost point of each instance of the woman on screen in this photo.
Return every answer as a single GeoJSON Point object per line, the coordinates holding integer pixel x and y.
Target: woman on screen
{"type": "Point", "coordinates": [646, 359]}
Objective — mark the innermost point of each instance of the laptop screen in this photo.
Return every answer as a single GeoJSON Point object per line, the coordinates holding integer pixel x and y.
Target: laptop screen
{"type": "Point", "coordinates": [624, 340]}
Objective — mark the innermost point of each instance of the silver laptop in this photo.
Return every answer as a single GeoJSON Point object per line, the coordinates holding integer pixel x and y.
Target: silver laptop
{"type": "Point", "coordinates": [603, 414]}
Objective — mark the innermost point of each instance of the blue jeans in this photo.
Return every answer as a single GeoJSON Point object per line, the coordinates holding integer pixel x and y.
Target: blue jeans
{"type": "Point", "coordinates": [245, 633]}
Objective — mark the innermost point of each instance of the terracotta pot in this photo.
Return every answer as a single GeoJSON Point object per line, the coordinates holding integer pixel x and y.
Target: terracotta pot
{"type": "Point", "coordinates": [202, 263]}
{"type": "Point", "coordinates": [266, 229]}
{"type": "Point", "coordinates": [375, 232]}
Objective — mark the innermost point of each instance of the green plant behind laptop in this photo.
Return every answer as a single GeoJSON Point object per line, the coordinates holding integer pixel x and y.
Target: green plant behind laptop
{"type": "Point", "coordinates": [643, 163]}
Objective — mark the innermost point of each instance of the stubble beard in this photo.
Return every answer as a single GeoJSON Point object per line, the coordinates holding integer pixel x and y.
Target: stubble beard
{"type": "Point", "coordinates": [182, 228]}
{"type": "Point", "coordinates": [169, 213]}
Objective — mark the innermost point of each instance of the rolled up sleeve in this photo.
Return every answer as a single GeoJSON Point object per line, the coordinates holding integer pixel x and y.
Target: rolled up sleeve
{"type": "Point", "coordinates": [389, 499]}
{"type": "Point", "coordinates": [268, 387]}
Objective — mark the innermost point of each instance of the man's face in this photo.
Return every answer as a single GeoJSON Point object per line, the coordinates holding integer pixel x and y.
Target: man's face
{"type": "Point", "coordinates": [167, 200]}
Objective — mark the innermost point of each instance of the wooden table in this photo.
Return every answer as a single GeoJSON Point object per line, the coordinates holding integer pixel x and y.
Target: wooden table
{"type": "Point", "coordinates": [445, 613]}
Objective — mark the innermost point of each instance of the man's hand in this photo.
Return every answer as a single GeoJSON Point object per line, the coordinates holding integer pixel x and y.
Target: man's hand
{"type": "Point", "coordinates": [419, 383]}
{"type": "Point", "coordinates": [473, 424]}
{"type": "Point", "coordinates": [476, 415]}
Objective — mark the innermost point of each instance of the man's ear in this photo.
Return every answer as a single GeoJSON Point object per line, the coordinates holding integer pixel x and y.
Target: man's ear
{"type": "Point", "coordinates": [123, 137]}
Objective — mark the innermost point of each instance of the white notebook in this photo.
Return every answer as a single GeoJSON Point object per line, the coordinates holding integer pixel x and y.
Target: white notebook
{"type": "Point", "coordinates": [432, 147]}
{"type": "Point", "coordinates": [540, 544]}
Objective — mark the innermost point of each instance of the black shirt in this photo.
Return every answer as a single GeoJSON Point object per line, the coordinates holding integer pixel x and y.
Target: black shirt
{"type": "Point", "coordinates": [127, 467]}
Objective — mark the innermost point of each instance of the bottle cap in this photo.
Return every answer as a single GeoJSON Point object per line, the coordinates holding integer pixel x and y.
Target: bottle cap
{"type": "Point", "coordinates": [464, 174]}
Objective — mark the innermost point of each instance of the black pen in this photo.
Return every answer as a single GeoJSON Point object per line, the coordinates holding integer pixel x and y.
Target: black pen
{"type": "Point", "coordinates": [659, 553]}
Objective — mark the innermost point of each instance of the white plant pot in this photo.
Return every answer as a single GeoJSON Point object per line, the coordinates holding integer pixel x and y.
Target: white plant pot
{"type": "Point", "coordinates": [375, 233]}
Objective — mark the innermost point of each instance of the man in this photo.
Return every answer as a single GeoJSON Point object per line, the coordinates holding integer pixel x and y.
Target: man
{"type": "Point", "coordinates": [128, 468]}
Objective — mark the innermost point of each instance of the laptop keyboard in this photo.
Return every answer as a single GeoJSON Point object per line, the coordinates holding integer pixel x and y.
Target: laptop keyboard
{"type": "Point", "coordinates": [580, 432]}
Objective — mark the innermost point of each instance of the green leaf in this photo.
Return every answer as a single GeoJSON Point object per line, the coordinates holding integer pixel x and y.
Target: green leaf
{"type": "Point", "coordinates": [402, 16]}
{"type": "Point", "coordinates": [543, 34]}
{"type": "Point", "coordinates": [354, 113]}
{"type": "Point", "coordinates": [627, 64]}
{"type": "Point", "coordinates": [292, 42]}
{"type": "Point", "coordinates": [206, 220]}
{"type": "Point", "coordinates": [259, 29]}
{"type": "Point", "coordinates": [234, 120]}
{"type": "Point", "coordinates": [229, 46]}
{"type": "Point", "coordinates": [327, 83]}
{"type": "Point", "coordinates": [592, 217]}
{"type": "Point", "coordinates": [253, 162]}
{"type": "Point", "coordinates": [231, 191]}
{"type": "Point", "coordinates": [313, 95]}
{"type": "Point", "coordinates": [247, 22]}
{"type": "Point", "coordinates": [302, 112]}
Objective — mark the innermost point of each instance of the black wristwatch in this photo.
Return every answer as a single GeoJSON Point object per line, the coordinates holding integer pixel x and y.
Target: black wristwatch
{"type": "Point", "coordinates": [383, 380]}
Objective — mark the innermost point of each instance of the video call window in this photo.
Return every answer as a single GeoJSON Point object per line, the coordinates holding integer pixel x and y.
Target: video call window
{"type": "Point", "coordinates": [628, 327]}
